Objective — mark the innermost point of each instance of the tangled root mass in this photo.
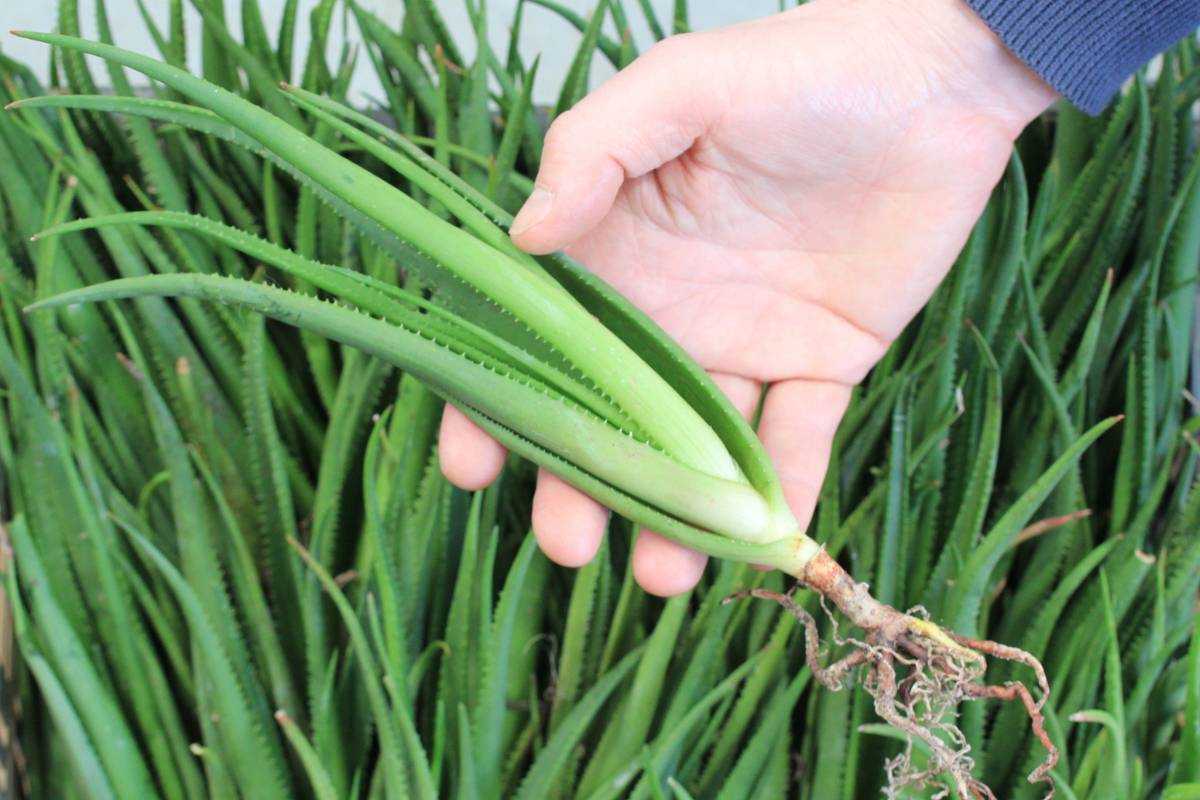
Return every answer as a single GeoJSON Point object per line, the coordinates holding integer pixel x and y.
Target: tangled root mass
{"type": "Point", "coordinates": [918, 676]}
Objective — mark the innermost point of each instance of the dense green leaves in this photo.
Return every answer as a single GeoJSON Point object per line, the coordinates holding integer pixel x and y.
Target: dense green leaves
{"type": "Point", "coordinates": [236, 568]}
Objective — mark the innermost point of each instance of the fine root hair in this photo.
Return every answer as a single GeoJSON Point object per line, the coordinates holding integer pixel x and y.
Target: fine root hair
{"type": "Point", "coordinates": [918, 676]}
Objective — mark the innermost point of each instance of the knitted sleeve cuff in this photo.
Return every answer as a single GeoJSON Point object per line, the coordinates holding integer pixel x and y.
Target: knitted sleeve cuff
{"type": "Point", "coordinates": [1085, 49]}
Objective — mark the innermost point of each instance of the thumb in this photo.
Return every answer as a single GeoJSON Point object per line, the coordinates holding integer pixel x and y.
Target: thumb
{"type": "Point", "coordinates": [646, 115]}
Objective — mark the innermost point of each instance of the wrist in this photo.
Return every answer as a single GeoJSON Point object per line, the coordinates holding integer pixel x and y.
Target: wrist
{"type": "Point", "coordinates": [970, 61]}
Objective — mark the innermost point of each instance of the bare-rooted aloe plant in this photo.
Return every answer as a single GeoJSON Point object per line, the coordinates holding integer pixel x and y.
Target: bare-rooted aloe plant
{"type": "Point", "coordinates": [559, 368]}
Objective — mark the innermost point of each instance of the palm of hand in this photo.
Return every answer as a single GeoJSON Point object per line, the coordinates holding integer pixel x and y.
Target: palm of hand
{"type": "Point", "coordinates": [782, 197]}
{"type": "Point", "coordinates": [797, 268]}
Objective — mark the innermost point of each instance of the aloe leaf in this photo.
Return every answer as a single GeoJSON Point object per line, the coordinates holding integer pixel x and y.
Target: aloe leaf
{"type": "Point", "coordinates": [468, 783]}
{"type": "Point", "coordinates": [1081, 364]}
{"type": "Point", "coordinates": [268, 477]}
{"type": "Point", "coordinates": [1011, 726]}
{"type": "Point", "coordinates": [392, 645]}
{"type": "Point", "coordinates": [80, 751]}
{"type": "Point", "coordinates": [316, 71]}
{"type": "Point", "coordinates": [611, 49]}
{"type": "Point", "coordinates": [169, 112]}
{"type": "Point", "coordinates": [114, 743]}
{"type": "Point", "coordinates": [1083, 190]}
{"type": "Point", "coordinates": [1188, 765]}
{"type": "Point", "coordinates": [399, 54]}
{"type": "Point", "coordinates": [475, 126]}
{"type": "Point", "coordinates": [258, 756]}
{"type": "Point", "coordinates": [748, 703]}
{"type": "Point", "coordinates": [1115, 737]}
{"type": "Point", "coordinates": [319, 780]}
{"type": "Point", "coordinates": [1003, 274]}
{"type": "Point", "coordinates": [515, 122]}
{"type": "Point", "coordinates": [446, 194]}
{"type": "Point", "coordinates": [833, 726]}
{"type": "Point", "coordinates": [120, 629]}
{"type": "Point", "coordinates": [537, 302]}
{"type": "Point", "coordinates": [889, 587]}
{"type": "Point", "coordinates": [651, 18]}
{"type": "Point", "coordinates": [680, 22]}
{"type": "Point", "coordinates": [631, 726]}
{"type": "Point", "coordinates": [1113, 682]}
{"type": "Point", "coordinates": [42, 465]}
{"type": "Point", "coordinates": [601, 300]}
{"type": "Point", "coordinates": [554, 426]}
{"type": "Point", "coordinates": [754, 756]}
{"type": "Point", "coordinates": [79, 77]}
{"type": "Point", "coordinates": [251, 598]}
{"type": "Point", "coordinates": [575, 632]}
{"type": "Point", "coordinates": [432, 30]}
{"type": "Point", "coordinates": [259, 75]}
{"type": "Point", "coordinates": [154, 164]}
{"type": "Point", "coordinates": [490, 709]}
{"type": "Point", "coordinates": [543, 773]}
{"type": "Point", "coordinates": [574, 85]}
{"type": "Point", "coordinates": [405, 766]}
{"type": "Point", "coordinates": [457, 686]}
{"type": "Point", "coordinates": [667, 745]}
{"type": "Point", "coordinates": [967, 594]}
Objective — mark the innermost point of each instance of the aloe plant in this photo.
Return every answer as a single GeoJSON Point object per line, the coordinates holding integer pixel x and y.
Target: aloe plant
{"type": "Point", "coordinates": [561, 370]}
{"type": "Point", "coordinates": [715, 698]}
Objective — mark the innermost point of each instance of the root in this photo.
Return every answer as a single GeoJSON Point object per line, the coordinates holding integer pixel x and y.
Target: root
{"type": "Point", "coordinates": [918, 675]}
{"type": "Point", "coordinates": [830, 677]}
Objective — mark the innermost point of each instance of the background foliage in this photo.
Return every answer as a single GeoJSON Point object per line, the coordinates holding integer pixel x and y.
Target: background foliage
{"type": "Point", "coordinates": [234, 568]}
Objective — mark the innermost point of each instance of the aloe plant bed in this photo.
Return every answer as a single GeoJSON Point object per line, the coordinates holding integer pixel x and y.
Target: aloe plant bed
{"type": "Point", "coordinates": [568, 375]}
{"type": "Point", "coordinates": [565, 391]}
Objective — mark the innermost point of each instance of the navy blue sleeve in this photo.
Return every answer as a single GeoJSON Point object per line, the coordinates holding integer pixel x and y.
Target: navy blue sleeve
{"type": "Point", "coordinates": [1086, 49]}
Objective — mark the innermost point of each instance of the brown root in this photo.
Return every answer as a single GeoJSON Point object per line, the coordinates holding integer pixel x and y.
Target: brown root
{"type": "Point", "coordinates": [918, 675]}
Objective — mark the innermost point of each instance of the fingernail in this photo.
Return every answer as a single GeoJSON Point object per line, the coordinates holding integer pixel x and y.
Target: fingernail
{"type": "Point", "coordinates": [537, 208]}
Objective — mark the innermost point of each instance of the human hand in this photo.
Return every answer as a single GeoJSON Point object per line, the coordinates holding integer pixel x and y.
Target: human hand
{"type": "Point", "coordinates": [781, 196]}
